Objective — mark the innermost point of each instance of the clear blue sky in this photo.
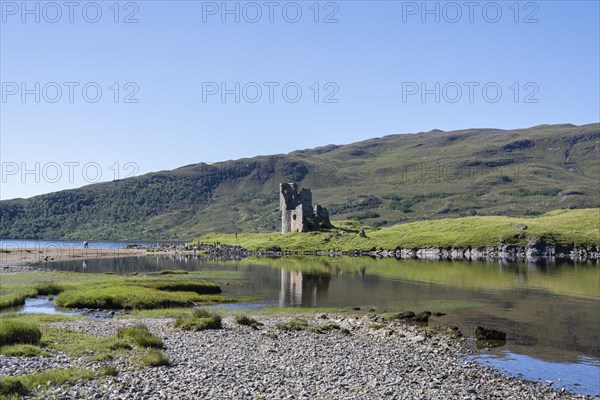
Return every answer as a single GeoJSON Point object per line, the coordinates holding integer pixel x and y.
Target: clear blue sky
{"type": "Point", "coordinates": [375, 57]}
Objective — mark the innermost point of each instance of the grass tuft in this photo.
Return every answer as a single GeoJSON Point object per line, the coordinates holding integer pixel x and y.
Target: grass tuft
{"type": "Point", "coordinates": [109, 370]}
{"type": "Point", "coordinates": [141, 335]}
{"type": "Point", "coordinates": [325, 328]}
{"type": "Point", "coordinates": [199, 320]}
{"type": "Point", "coordinates": [247, 321]}
{"type": "Point", "coordinates": [22, 350]}
{"type": "Point", "coordinates": [155, 358]}
{"type": "Point", "coordinates": [173, 272]}
{"type": "Point", "coordinates": [297, 324]}
{"type": "Point", "coordinates": [18, 332]}
{"type": "Point", "coordinates": [10, 386]}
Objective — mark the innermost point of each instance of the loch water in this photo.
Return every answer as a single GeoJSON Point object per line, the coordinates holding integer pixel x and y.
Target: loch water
{"type": "Point", "coordinates": [550, 311]}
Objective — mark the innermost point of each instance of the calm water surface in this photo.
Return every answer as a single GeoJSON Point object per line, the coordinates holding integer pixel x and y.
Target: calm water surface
{"type": "Point", "coordinates": [9, 244]}
{"type": "Point", "coordinates": [551, 313]}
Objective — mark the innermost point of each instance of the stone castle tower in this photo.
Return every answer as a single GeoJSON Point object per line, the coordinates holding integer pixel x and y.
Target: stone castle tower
{"type": "Point", "coordinates": [297, 211]}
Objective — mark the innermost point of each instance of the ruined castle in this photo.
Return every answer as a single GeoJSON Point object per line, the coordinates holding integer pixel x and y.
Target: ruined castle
{"type": "Point", "coordinates": [297, 211]}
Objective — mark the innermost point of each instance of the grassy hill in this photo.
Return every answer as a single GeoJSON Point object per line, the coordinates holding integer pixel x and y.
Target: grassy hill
{"type": "Point", "coordinates": [379, 182]}
{"type": "Point", "coordinates": [561, 227]}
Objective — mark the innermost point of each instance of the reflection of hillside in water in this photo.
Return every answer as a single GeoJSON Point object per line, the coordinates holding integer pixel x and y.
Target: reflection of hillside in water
{"type": "Point", "coordinates": [548, 310]}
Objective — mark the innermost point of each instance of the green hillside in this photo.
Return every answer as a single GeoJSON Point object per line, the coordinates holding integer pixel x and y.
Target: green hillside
{"type": "Point", "coordinates": [379, 182]}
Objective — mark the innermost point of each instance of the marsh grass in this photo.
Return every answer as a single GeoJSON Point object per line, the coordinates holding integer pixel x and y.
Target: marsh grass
{"type": "Point", "coordinates": [173, 272]}
{"type": "Point", "coordinates": [109, 370]}
{"type": "Point", "coordinates": [22, 350]}
{"type": "Point", "coordinates": [141, 335]}
{"type": "Point", "coordinates": [296, 324]}
{"type": "Point", "coordinates": [247, 321]}
{"type": "Point", "coordinates": [199, 320]}
{"type": "Point", "coordinates": [325, 328]}
{"type": "Point", "coordinates": [12, 387]}
{"type": "Point", "coordinates": [18, 332]}
{"type": "Point", "coordinates": [199, 287]}
{"type": "Point", "coordinates": [48, 289]}
{"type": "Point", "coordinates": [110, 291]}
{"type": "Point", "coordinates": [155, 358]}
{"type": "Point", "coordinates": [124, 297]}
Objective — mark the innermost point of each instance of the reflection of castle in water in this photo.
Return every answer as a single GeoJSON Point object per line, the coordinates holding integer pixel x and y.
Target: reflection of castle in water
{"type": "Point", "coordinates": [301, 289]}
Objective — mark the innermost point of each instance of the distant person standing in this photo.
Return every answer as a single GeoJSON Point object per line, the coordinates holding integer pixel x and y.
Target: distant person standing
{"type": "Point", "coordinates": [86, 244]}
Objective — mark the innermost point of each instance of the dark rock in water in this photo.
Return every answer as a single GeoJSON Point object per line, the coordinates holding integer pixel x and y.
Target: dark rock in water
{"type": "Point", "coordinates": [405, 315]}
{"type": "Point", "coordinates": [422, 317]}
{"type": "Point", "coordinates": [482, 333]}
{"type": "Point", "coordinates": [133, 246]}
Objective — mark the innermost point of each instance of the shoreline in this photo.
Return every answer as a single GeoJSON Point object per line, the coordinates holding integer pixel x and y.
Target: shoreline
{"type": "Point", "coordinates": [477, 375]}
{"type": "Point", "coordinates": [21, 260]}
{"type": "Point", "coordinates": [375, 360]}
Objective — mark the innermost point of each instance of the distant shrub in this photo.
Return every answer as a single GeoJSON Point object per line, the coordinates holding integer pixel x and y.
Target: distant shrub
{"type": "Point", "coordinates": [364, 215]}
{"type": "Point", "coordinates": [406, 205]}
{"type": "Point", "coordinates": [533, 212]}
{"type": "Point", "coordinates": [521, 192]}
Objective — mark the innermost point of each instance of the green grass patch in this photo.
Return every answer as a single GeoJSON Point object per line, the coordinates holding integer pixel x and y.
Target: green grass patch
{"type": "Point", "coordinates": [199, 287]}
{"type": "Point", "coordinates": [56, 376]}
{"type": "Point", "coordinates": [23, 385]}
{"type": "Point", "coordinates": [173, 272]}
{"type": "Point", "coordinates": [199, 320]}
{"type": "Point", "coordinates": [247, 321]}
{"type": "Point", "coordinates": [296, 324]}
{"type": "Point", "coordinates": [141, 335]}
{"type": "Point", "coordinates": [125, 297]}
{"type": "Point", "coordinates": [22, 350]}
{"type": "Point", "coordinates": [110, 291]}
{"type": "Point", "coordinates": [18, 332]}
{"type": "Point", "coordinates": [12, 387]}
{"type": "Point", "coordinates": [47, 289]}
{"type": "Point", "coordinates": [561, 227]}
{"type": "Point", "coordinates": [331, 326]}
{"type": "Point", "coordinates": [155, 358]}
{"type": "Point", "coordinates": [109, 370]}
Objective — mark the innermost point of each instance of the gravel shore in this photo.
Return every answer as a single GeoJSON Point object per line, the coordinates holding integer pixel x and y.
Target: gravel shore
{"type": "Point", "coordinates": [396, 361]}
